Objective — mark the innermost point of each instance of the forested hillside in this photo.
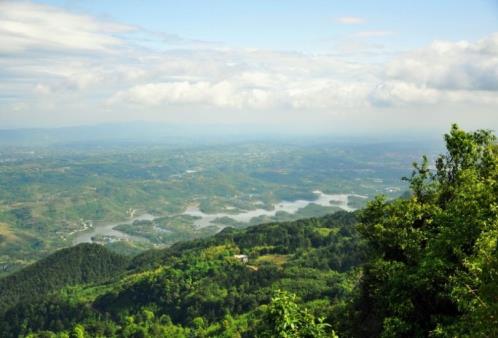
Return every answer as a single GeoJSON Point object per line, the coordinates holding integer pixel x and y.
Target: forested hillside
{"type": "Point", "coordinates": [84, 263]}
{"type": "Point", "coordinates": [202, 287]}
{"type": "Point", "coordinates": [424, 265]}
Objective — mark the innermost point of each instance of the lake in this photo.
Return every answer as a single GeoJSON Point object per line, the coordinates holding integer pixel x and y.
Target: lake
{"type": "Point", "coordinates": [107, 229]}
{"type": "Point", "coordinates": [203, 219]}
{"type": "Point", "coordinates": [291, 207]}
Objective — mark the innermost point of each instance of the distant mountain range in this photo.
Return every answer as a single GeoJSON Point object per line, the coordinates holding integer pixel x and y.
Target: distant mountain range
{"type": "Point", "coordinates": [141, 132]}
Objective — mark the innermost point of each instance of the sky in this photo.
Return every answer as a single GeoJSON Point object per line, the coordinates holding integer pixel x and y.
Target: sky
{"type": "Point", "coordinates": [316, 66]}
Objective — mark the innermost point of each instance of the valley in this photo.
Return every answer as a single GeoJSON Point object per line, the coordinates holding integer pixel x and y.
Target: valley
{"type": "Point", "coordinates": [251, 259]}
{"type": "Point", "coordinates": [141, 196]}
{"type": "Point", "coordinates": [248, 169]}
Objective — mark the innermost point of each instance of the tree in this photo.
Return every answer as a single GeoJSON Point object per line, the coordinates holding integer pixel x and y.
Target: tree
{"type": "Point", "coordinates": [78, 331]}
{"type": "Point", "coordinates": [434, 266]}
{"type": "Point", "coordinates": [284, 318]}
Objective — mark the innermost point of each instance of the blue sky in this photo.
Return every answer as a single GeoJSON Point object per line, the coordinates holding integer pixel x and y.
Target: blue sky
{"type": "Point", "coordinates": [315, 65]}
{"type": "Point", "coordinates": [301, 25]}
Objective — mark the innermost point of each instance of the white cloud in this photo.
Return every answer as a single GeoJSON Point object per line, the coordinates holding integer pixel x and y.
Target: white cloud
{"type": "Point", "coordinates": [452, 66]}
{"type": "Point", "coordinates": [27, 26]}
{"type": "Point", "coordinates": [248, 94]}
{"type": "Point", "coordinates": [350, 20]}
{"type": "Point", "coordinates": [395, 93]}
{"type": "Point", "coordinates": [451, 72]}
{"type": "Point", "coordinates": [42, 89]}
{"type": "Point", "coordinates": [65, 68]}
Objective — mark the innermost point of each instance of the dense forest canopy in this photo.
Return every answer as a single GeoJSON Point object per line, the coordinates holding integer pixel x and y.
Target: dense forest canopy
{"type": "Point", "coordinates": [418, 266]}
{"type": "Point", "coordinates": [84, 263]}
{"type": "Point", "coordinates": [200, 287]}
{"type": "Point", "coordinates": [434, 266]}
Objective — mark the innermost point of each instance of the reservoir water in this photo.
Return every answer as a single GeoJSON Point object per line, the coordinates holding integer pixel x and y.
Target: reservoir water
{"type": "Point", "coordinates": [291, 207]}
{"type": "Point", "coordinates": [203, 219]}
{"type": "Point", "coordinates": [107, 229]}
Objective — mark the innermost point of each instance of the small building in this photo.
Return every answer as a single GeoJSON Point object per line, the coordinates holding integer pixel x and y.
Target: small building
{"type": "Point", "coordinates": [242, 258]}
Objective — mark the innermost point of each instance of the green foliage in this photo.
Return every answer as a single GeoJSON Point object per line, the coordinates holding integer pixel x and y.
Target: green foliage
{"type": "Point", "coordinates": [84, 263]}
{"type": "Point", "coordinates": [199, 288]}
{"type": "Point", "coordinates": [433, 270]}
{"type": "Point", "coordinates": [78, 331]}
{"type": "Point", "coordinates": [284, 318]}
{"type": "Point", "coordinates": [419, 266]}
{"type": "Point", "coordinates": [50, 196]}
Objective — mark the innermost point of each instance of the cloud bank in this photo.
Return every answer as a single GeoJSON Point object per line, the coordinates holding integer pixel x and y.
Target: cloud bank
{"type": "Point", "coordinates": [62, 68]}
{"type": "Point", "coordinates": [25, 26]}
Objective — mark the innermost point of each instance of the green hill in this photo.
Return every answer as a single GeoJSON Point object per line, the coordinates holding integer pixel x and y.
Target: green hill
{"type": "Point", "coordinates": [425, 265]}
{"type": "Point", "coordinates": [313, 258]}
{"type": "Point", "coordinates": [84, 263]}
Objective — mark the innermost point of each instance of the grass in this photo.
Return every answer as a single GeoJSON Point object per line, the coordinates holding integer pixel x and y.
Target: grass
{"type": "Point", "coordinates": [6, 235]}
{"type": "Point", "coordinates": [325, 231]}
{"type": "Point", "coordinates": [278, 260]}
